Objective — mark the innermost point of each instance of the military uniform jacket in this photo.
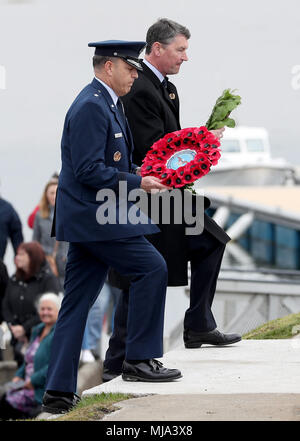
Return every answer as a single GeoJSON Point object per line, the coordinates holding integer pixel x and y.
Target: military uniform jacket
{"type": "Point", "coordinates": [96, 153]}
{"type": "Point", "coordinates": [153, 111]}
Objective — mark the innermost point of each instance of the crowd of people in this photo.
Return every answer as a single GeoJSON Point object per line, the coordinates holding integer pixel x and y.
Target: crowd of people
{"type": "Point", "coordinates": [25, 391]}
{"type": "Point", "coordinates": [94, 265]}
{"type": "Point", "coordinates": [30, 299]}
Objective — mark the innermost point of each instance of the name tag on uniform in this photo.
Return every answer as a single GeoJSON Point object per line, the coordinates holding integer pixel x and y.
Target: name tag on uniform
{"type": "Point", "coordinates": [118, 135]}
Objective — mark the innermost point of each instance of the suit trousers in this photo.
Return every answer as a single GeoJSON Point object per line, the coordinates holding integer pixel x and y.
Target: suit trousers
{"type": "Point", "coordinates": [86, 271]}
{"type": "Point", "coordinates": [205, 253]}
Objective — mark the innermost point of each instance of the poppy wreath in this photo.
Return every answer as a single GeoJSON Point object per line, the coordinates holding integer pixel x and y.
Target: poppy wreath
{"type": "Point", "coordinates": [198, 145]}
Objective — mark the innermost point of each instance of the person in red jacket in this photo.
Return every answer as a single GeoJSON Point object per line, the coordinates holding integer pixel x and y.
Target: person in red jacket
{"type": "Point", "coordinates": [31, 217]}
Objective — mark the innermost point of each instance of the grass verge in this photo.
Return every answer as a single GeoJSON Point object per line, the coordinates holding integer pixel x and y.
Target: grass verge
{"type": "Point", "coordinates": [94, 407]}
{"type": "Point", "coordinates": [285, 327]}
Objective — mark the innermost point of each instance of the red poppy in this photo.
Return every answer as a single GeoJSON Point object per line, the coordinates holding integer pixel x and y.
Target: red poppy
{"type": "Point", "coordinates": [159, 168]}
{"type": "Point", "coordinates": [185, 174]}
{"type": "Point", "coordinates": [214, 156]}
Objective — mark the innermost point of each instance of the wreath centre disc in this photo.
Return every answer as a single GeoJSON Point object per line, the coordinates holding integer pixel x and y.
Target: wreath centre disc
{"type": "Point", "coordinates": [180, 159]}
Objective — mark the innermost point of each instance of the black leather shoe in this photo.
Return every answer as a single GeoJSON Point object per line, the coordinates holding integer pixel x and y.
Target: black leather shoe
{"type": "Point", "coordinates": [58, 404]}
{"type": "Point", "coordinates": [108, 375]}
{"type": "Point", "coordinates": [148, 370]}
{"type": "Point", "coordinates": [194, 339]}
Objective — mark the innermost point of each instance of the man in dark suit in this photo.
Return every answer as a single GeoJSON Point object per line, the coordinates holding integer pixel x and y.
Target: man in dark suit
{"type": "Point", "coordinates": [152, 109]}
{"type": "Point", "coordinates": [96, 176]}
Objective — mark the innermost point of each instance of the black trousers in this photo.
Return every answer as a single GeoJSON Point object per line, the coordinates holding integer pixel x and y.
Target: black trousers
{"type": "Point", "coordinates": [205, 253]}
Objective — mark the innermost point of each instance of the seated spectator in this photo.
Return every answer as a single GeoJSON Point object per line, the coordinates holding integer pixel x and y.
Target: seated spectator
{"type": "Point", "coordinates": [10, 227]}
{"type": "Point", "coordinates": [25, 392]}
{"type": "Point", "coordinates": [56, 252]}
{"type": "Point", "coordinates": [33, 277]}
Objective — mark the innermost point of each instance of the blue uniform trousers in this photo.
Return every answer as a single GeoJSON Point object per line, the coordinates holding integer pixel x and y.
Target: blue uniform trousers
{"type": "Point", "coordinates": [86, 271]}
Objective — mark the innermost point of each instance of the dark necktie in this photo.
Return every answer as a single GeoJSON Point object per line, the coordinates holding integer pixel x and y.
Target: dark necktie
{"type": "Point", "coordinates": [164, 83]}
{"type": "Point", "coordinates": [121, 111]}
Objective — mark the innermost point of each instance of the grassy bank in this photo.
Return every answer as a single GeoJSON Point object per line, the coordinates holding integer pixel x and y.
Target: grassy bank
{"type": "Point", "coordinates": [285, 327]}
{"type": "Point", "coordinates": [94, 407]}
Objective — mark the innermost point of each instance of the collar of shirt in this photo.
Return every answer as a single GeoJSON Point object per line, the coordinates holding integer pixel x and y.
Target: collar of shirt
{"type": "Point", "coordinates": [154, 70]}
{"type": "Point", "coordinates": [112, 93]}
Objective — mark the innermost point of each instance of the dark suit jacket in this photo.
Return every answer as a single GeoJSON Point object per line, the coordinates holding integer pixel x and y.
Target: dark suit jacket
{"type": "Point", "coordinates": [96, 152]}
{"type": "Point", "coordinates": [152, 112]}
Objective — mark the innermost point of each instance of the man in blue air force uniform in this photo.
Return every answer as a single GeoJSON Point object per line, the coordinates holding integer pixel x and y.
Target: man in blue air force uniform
{"type": "Point", "coordinates": [96, 153]}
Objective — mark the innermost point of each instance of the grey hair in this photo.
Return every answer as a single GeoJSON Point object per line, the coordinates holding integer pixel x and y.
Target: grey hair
{"type": "Point", "coordinates": [100, 60]}
{"type": "Point", "coordinates": [56, 299]}
{"type": "Point", "coordinates": [164, 31]}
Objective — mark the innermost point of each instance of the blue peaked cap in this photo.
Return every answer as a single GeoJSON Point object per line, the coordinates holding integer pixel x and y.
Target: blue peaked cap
{"type": "Point", "coordinates": [129, 51]}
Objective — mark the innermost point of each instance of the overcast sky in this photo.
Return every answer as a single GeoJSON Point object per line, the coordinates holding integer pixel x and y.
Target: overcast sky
{"type": "Point", "coordinates": [252, 46]}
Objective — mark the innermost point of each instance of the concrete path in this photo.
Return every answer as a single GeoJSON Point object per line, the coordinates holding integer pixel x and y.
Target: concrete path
{"type": "Point", "coordinates": [256, 379]}
{"type": "Point", "coordinates": [211, 407]}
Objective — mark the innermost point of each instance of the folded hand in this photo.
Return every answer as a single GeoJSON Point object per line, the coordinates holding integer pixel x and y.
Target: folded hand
{"type": "Point", "coordinates": [218, 132]}
{"type": "Point", "coordinates": [152, 184]}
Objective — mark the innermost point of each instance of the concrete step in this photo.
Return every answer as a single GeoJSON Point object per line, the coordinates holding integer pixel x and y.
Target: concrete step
{"type": "Point", "coordinates": [250, 366]}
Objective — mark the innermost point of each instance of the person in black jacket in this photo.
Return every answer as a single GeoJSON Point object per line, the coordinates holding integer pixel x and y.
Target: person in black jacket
{"type": "Point", "coordinates": [10, 227]}
{"type": "Point", "coordinates": [152, 109]}
{"type": "Point", "coordinates": [33, 278]}
{"type": "Point", "coordinates": [3, 284]}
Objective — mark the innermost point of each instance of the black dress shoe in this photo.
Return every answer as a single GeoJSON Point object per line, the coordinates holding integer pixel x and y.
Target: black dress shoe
{"type": "Point", "coordinates": [194, 339]}
{"type": "Point", "coordinates": [148, 370]}
{"type": "Point", "coordinates": [58, 403]}
{"type": "Point", "coordinates": [108, 375]}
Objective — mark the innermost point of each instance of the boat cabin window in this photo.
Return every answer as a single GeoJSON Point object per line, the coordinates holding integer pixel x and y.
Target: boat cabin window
{"type": "Point", "coordinates": [230, 145]}
{"type": "Point", "coordinates": [255, 145]}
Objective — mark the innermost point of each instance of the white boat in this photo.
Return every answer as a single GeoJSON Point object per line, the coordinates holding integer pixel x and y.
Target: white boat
{"type": "Point", "coordinates": [246, 160]}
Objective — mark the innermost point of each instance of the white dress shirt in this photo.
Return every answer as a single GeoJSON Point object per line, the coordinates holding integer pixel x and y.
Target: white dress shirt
{"type": "Point", "coordinates": [154, 70]}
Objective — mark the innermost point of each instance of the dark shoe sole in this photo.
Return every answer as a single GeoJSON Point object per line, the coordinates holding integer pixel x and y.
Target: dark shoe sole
{"type": "Point", "coordinates": [194, 345]}
{"type": "Point", "coordinates": [106, 379]}
{"type": "Point", "coordinates": [129, 377]}
{"type": "Point", "coordinates": [54, 410]}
